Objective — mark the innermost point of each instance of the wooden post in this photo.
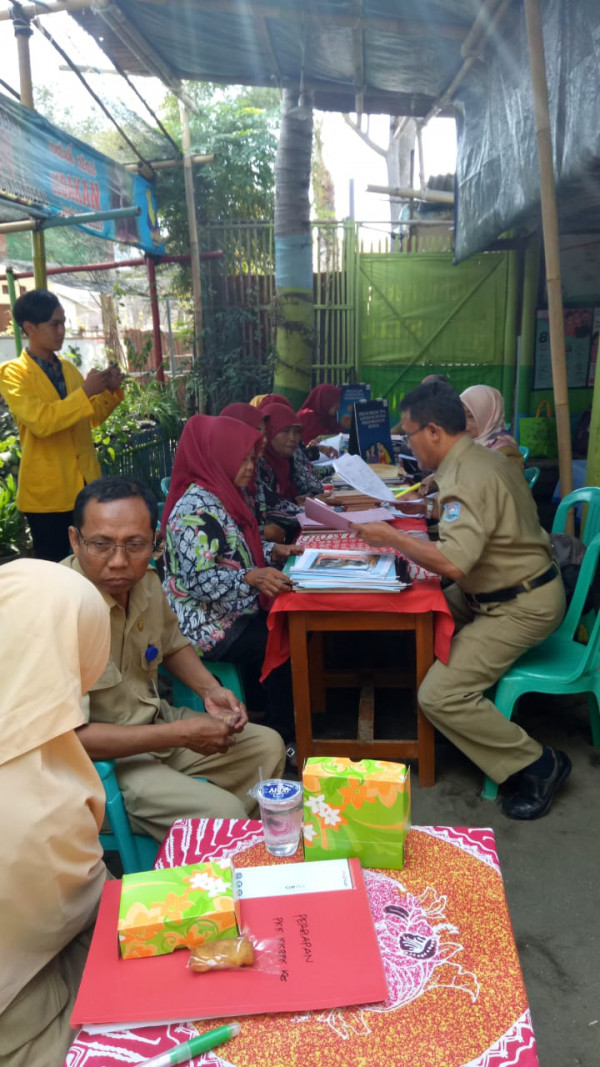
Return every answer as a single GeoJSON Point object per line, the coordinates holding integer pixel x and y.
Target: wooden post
{"type": "Point", "coordinates": [194, 244]}
{"type": "Point", "coordinates": [155, 311]}
{"type": "Point", "coordinates": [23, 32]}
{"type": "Point", "coordinates": [551, 246]}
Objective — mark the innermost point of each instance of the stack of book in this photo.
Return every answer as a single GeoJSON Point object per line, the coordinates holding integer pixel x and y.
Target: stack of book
{"type": "Point", "coordinates": [334, 571]}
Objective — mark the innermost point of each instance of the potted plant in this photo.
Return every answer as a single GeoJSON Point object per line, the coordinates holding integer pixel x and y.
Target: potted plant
{"type": "Point", "coordinates": [11, 523]}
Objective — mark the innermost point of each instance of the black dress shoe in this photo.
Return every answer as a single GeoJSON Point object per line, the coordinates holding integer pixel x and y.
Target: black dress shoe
{"type": "Point", "coordinates": [535, 793]}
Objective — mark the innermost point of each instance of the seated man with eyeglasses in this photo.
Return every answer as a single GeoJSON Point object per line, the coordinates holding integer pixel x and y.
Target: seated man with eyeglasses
{"type": "Point", "coordinates": [161, 751]}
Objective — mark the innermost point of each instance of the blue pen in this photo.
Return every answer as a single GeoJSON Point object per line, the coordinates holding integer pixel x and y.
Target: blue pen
{"type": "Point", "coordinates": [195, 1046]}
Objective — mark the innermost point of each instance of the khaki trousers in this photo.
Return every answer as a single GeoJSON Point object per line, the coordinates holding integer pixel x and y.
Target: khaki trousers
{"type": "Point", "coordinates": [489, 639]}
{"type": "Point", "coordinates": [160, 787]}
{"type": "Point", "coordinates": [35, 1029]}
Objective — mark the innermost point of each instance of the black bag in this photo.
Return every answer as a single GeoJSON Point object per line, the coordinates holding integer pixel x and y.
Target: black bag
{"type": "Point", "coordinates": [568, 553]}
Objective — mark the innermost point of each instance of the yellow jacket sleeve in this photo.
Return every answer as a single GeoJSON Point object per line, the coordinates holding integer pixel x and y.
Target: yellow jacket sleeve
{"type": "Point", "coordinates": [103, 404]}
{"type": "Point", "coordinates": [42, 417]}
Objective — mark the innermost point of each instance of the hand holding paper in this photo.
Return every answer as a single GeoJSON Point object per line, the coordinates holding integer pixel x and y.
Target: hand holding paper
{"type": "Point", "coordinates": [376, 534]}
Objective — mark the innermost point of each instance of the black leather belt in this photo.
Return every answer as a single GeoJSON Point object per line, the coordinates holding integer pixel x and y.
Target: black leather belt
{"type": "Point", "coordinates": [500, 595]}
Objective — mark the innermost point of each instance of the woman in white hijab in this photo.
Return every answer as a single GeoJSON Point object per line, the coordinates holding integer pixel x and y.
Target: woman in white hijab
{"type": "Point", "coordinates": [55, 635]}
{"type": "Point", "coordinates": [484, 411]}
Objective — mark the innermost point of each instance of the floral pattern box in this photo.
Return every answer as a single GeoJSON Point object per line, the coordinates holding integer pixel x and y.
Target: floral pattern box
{"type": "Point", "coordinates": [356, 809]}
{"type": "Point", "coordinates": [161, 911]}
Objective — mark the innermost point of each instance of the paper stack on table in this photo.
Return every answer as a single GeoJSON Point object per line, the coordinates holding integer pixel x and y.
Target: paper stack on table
{"type": "Point", "coordinates": [368, 572]}
{"type": "Point", "coordinates": [329, 519]}
{"type": "Point", "coordinates": [358, 474]}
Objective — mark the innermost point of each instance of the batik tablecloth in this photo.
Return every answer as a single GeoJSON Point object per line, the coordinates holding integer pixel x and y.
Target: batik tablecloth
{"type": "Point", "coordinates": [456, 993]}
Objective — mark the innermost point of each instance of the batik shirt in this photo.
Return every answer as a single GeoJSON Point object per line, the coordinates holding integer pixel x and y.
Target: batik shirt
{"type": "Point", "coordinates": [207, 558]}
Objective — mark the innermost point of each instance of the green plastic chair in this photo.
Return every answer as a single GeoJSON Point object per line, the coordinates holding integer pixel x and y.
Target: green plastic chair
{"type": "Point", "coordinates": [523, 449]}
{"type": "Point", "coordinates": [531, 476]}
{"type": "Point", "coordinates": [590, 495]}
{"type": "Point", "coordinates": [137, 851]}
{"type": "Point", "coordinates": [165, 485]}
{"type": "Point", "coordinates": [228, 675]}
{"type": "Point", "coordinates": [560, 664]}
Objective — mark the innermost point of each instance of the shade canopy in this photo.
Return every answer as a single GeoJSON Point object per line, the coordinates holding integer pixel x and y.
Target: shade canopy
{"type": "Point", "coordinates": [395, 56]}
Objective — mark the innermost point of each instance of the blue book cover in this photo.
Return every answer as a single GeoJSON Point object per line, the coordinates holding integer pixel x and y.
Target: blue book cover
{"type": "Point", "coordinates": [351, 394]}
{"type": "Point", "coordinates": [372, 427]}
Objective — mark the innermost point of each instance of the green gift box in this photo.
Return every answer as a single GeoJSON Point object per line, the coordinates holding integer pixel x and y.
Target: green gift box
{"type": "Point", "coordinates": [356, 809]}
{"type": "Point", "coordinates": [161, 911]}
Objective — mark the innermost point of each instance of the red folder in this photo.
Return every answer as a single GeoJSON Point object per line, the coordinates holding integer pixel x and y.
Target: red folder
{"type": "Point", "coordinates": [327, 957]}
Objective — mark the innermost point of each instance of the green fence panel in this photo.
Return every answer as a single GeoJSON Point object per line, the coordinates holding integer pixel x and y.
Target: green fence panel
{"type": "Point", "coordinates": [421, 314]}
{"type": "Point", "coordinates": [148, 458]}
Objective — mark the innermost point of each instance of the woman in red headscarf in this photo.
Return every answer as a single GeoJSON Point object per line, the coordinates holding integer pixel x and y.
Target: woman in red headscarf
{"type": "Point", "coordinates": [218, 581]}
{"type": "Point", "coordinates": [318, 414]}
{"type": "Point", "coordinates": [284, 472]}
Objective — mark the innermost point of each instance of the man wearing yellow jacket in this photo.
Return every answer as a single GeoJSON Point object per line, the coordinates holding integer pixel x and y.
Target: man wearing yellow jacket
{"type": "Point", "coordinates": [55, 409]}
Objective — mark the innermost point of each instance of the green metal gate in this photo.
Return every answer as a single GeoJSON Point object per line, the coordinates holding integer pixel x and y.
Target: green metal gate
{"type": "Point", "coordinates": [419, 314]}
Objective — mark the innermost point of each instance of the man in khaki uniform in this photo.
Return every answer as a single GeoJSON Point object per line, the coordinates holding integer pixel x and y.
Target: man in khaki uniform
{"type": "Point", "coordinates": [161, 751]}
{"type": "Point", "coordinates": [507, 596]}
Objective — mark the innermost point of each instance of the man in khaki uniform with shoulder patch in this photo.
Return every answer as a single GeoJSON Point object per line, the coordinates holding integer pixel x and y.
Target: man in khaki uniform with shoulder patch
{"type": "Point", "coordinates": [171, 762]}
{"type": "Point", "coordinates": [507, 597]}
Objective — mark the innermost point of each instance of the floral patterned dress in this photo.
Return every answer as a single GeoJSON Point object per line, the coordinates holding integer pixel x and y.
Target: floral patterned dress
{"type": "Point", "coordinates": [207, 558]}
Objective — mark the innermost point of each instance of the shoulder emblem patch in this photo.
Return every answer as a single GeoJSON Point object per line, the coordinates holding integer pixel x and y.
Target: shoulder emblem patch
{"type": "Point", "coordinates": [451, 511]}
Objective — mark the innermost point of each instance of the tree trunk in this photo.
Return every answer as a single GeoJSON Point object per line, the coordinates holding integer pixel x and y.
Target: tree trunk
{"type": "Point", "coordinates": [110, 328]}
{"type": "Point", "coordinates": [293, 252]}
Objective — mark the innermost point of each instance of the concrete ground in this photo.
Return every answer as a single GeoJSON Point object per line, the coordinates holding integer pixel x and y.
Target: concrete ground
{"type": "Point", "coordinates": [551, 870]}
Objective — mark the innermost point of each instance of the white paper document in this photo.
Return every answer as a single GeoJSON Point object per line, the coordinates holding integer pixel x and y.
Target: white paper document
{"type": "Point", "coordinates": [359, 475]}
{"type": "Point", "coordinates": [279, 880]}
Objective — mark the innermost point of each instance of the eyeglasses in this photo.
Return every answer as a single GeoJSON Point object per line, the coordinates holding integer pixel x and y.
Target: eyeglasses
{"type": "Point", "coordinates": [105, 548]}
{"type": "Point", "coordinates": [409, 435]}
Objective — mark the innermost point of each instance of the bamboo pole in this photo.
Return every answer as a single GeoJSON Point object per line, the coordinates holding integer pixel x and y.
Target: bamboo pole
{"type": "Point", "coordinates": [194, 243]}
{"type": "Point", "coordinates": [31, 10]}
{"type": "Point", "coordinates": [437, 196]}
{"type": "Point", "coordinates": [23, 32]}
{"type": "Point", "coordinates": [12, 296]}
{"type": "Point", "coordinates": [539, 84]}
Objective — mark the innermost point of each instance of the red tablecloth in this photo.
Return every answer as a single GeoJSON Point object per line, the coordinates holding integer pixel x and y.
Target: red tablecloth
{"type": "Point", "coordinates": [456, 995]}
{"type": "Point", "coordinates": [421, 596]}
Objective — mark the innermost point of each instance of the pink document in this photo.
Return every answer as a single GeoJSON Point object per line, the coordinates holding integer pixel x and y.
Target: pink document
{"type": "Point", "coordinates": [326, 517]}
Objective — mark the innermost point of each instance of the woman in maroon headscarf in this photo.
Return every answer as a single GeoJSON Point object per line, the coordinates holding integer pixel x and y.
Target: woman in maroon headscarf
{"type": "Point", "coordinates": [318, 414]}
{"type": "Point", "coordinates": [218, 581]}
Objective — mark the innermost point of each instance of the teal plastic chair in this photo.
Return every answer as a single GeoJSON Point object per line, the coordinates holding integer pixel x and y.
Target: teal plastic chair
{"type": "Point", "coordinates": [228, 675]}
{"type": "Point", "coordinates": [590, 495]}
{"type": "Point", "coordinates": [560, 664]}
{"type": "Point", "coordinates": [137, 851]}
{"type": "Point", "coordinates": [531, 476]}
{"type": "Point", "coordinates": [165, 485]}
{"type": "Point", "coordinates": [523, 449]}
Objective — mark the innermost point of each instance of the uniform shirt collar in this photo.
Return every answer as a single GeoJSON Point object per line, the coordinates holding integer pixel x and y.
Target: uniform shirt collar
{"type": "Point", "coordinates": [458, 448]}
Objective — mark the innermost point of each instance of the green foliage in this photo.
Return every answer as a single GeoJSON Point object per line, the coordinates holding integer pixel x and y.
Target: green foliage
{"type": "Point", "coordinates": [11, 522]}
{"type": "Point", "coordinates": [239, 127]}
{"type": "Point", "coordinates": [148, 405]}
{"type": "Point", "coordinates": [225, 374]}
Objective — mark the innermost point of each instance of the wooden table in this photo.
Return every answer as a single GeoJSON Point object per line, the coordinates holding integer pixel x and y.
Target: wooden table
{"type": "Point", "coordinates": [310, 681]}
{"type": "Point", "coordinates": [456, 996]}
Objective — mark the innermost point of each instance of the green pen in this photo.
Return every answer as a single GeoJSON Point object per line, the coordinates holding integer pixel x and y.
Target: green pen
{"type": "Point", "coordinates": [193, 1047]}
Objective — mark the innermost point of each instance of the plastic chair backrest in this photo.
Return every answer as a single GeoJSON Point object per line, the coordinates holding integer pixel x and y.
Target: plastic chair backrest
{"type": "Point", "coordinates": [531, 475]}
{"type": "Point", "coordinates": [165, 485]}
{"type": "Point", "coordinates": [137, 852]}
{"type": "Point", "coordinates": [228, 675]}
{"type": "Point", "coordinates": [590, 495]}
{"type": "Point", "coordinates": [523, 449]}
{"type": "Point", "coordinates": [575, 612]}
